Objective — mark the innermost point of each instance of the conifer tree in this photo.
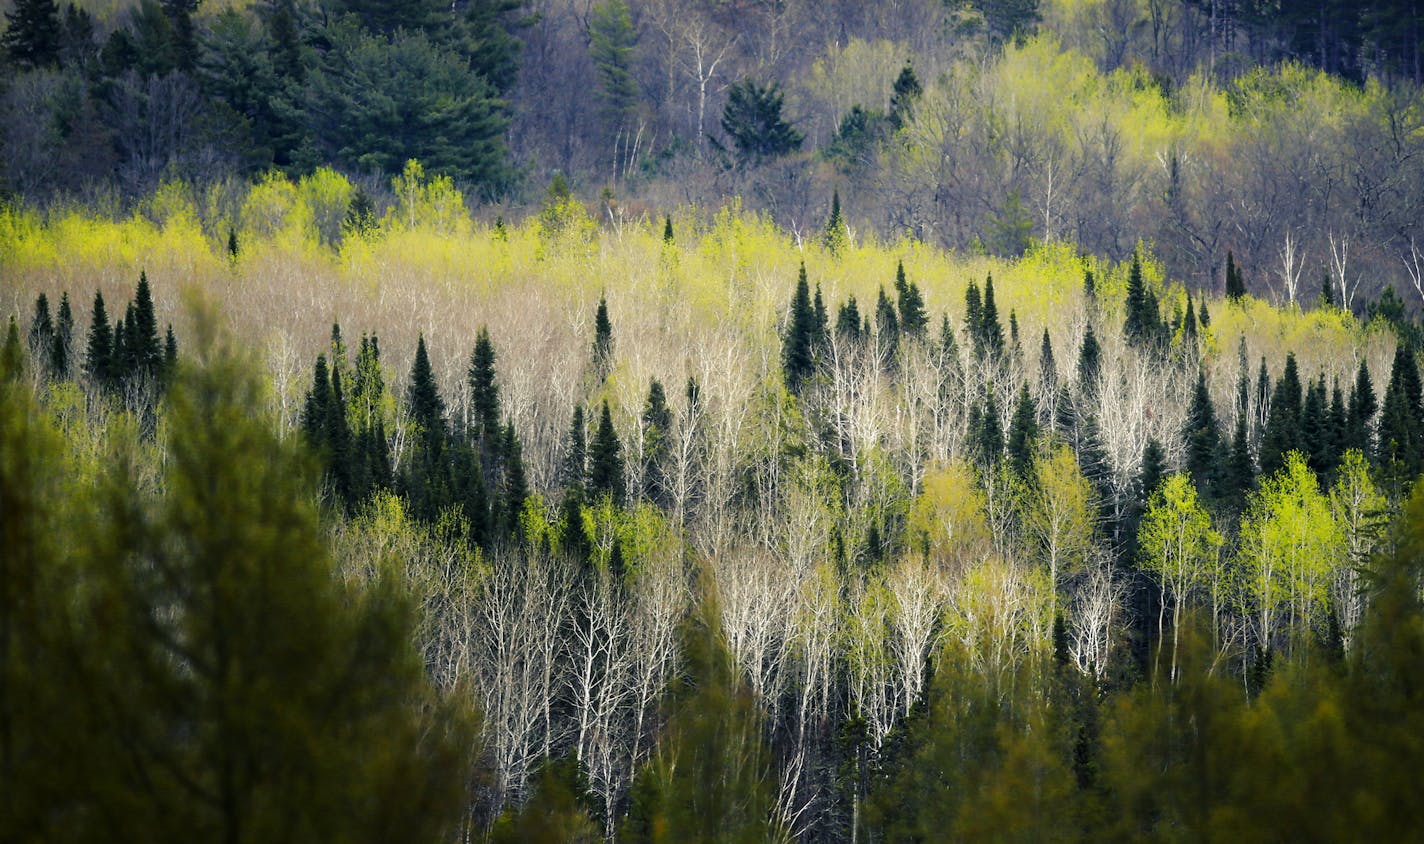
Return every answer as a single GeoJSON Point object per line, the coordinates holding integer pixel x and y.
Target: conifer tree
{"type": "Point", "coordinates": [974, 316]}
{"type": "Point", "coordinates": [1090, 286]}
{"type": "Point", "coordinates": [120, 358]}
{"type": "Point", "coordinates": [986, 432]}
{"type": "Point", "coordinates": [602, 340]}
{"type": "Point", "coordinates": [315, 409]}
{"type": "Point", "coordinates": [1315, 440]}
{"type": "Point", "coordinates": [1235, 284]}
{"type": "Point", "coordinates": [515, 485]}
{"type": "Point", "coordinates": [1189, 322]}
{"type": "Point", "coordinates": [887, 328]}
{"type": "Point", "coordinates": [338, 442]}
{"type": "Point", "coordinates": [32, 34]}
{"type": "Point", "coordinates": [1047, 367]}
{"type": "Point", "coordinates": [41, 338]}
{"type": "Point", "coordinates": [605, 460]}
{"type": "Point", "coordinates": [834, 235]}
{"type": "Point", "coordinates": [484, 392]}
{"type": "Point", "coordinates": [848, 321]}
{"type": "Point", "coordinates": [427, 410]}
{"type": "Point", "coordinates": [170, 352]}
{"type": "Point", "coordinates": [914, 322]}
{"type": "Point", "coordinates": [61, 352]}
{"type": "Point", "coordinates": [667, 230]}
{"type": "Point", "coordinates": [145, 349]}
{"type": "Point", "coordinates": [12, 354]}
{"type": "Point", "coordinates": [820, 333]}
{"type": "Point", "coordinates": [1023, 433]}
{"type": "Point", "coordinates": [575, 453]}
{"type": "Point", "coordinates": [1401, 426]}
{"type": "Point", "coordinates": [1361, 410]}
{"type": "Point", "coordinates": [1263, 396]}
{"type": "Point", "coordinates": [797, 359]}
{"type": "Point", "coordinates": [1143, 322]}
{"type": "Point", "coordinates": [991, 332]}
{"type": "Point", "coordinates": [99, 346]}
{"type": "Point", "coordinates": [1203, 440]}
{"type": "Point", "coordinates": [1282, 433]}
{"type": "Point", "coordinates": [1240, 472]}
{"type": "Point", "coordinates": [903, 96]}
{"type": "Point", "coordinates": [1154, 468]}
{"type": "Point", "coordinates": [1090, 363]}
{"type": "Point", "coordinates": [657, 427]}
{"type": "Point", "coordinates": [1203, 315]}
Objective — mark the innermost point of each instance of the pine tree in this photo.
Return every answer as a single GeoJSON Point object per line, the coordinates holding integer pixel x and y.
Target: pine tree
{"type": "Point", "coordinates": [1047, 367]}
{"type": "Point", "coordinates": [605, 460]}
{"type": "Point", "coordinates": [316, 407]}
{"type": "Point", "coordinates": [612, 41]}
{"type": "Point", "coordinates": [1203, 440]}
{"type": "Point", "coordinates": [667, 230]}
{"type": "Point", "coordinates": [1282, 434]}
{"type": "Point", "coordinates": [99, 346]}
{"type": "Point", "coordinates": [232, 249]}
{"type": "Point", "coordinates": [1090, 363]}
{"type": "Point", "coordinates": [848, 321]}
{"type": "Point", "coordinates": [914, 322]}
{"type": "Point", "coordinates": [426, 480]}
{"type": "Point", "coordinates": [1204, 316]}
{"type": "Point", "coordinates": [170, 353]}
{"type": "Point", "coordinates": [484, 392]}
{"type": "Point", "coordinates": [575, 453]}
{"type": "Point", "coordinates": [32, 34]}
{"type": "Point", "coordinates": [657, 427]}
{"type": "Point", "coordinates": [61, 352]}
{"type": "Point", "coordinates": [145, 350]}
{"type": "Point", "coordinates": [602, 340]}
{"type": "Point", "coordinates": [1189, 322]}
{"type": "Point", "coordinates": [1240, 472]}
{"type": "Point", "coordinates": [427, 410]}
{"type": "Point", "coordinates": [797, 349]}
{"type": "Point", "coordinates": [820, 331]}
{"type": "Point", "coordinates": [338, 443]}
{"type": "Point", "coordinates": [753, 120]}
{"type": "Point", "coordinates": [974, 317]}
{"type": "Point", "coordinates": [903, 96]}
{"type": "Point", "coordinates": [515, 485]}
{"type": "Point", "coordinates": [1235, 284]}
{"type": "Point", "coordinates": [1315, 441]}
{"type": "Point", "coordinates": [1023, 433]}
{"type": "Point", "coordinates": [986, 432]}
{"type": "Point", "coordinates": [1154, 468]}
{"type": "Point", "coordinates": [1143, 323]}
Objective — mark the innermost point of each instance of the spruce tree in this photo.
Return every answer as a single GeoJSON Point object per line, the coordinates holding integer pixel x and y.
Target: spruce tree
{"type": "Point", "coordinates": [62, 350]}
{"type": "Point", "coordinates": [602, 340]}
{"type": "Point", "coordinates": [974, 317]}
{"type": "Point", "coordinates": [170, 353]}
{"type": "Point", "coordinates": [427, 410]}
{"type": "Point", "coordinates": [426, 479]}
{"type": "Point", "coordinates": [99, 346]}
{"type": "Point", "coordinates": [1203, 440]}
{"type": "Point", "coordinates": [1282, 433]}
{"type": "Point", "coordinates": [484, 392]}
{"type": "Point", "coordinates": [32, 34]}
{"type": "Point", "coordinates": [986, 432]}
{"type": "Point", "coordinates": [1240, 472]}
{"type": "Point", "coordinates": [797, 345]}
{"type": "Point", "coordinates": [820, 330]}
{"type": "Point", "coordinates": [41, 337]}
{"type": "Point", "coordinates": [1401, 426]}
{"type": "Point", "coordinates": [1090, 363]}
{"type": "Point", "coordinates": [1363, 406]}
{"type": "Point", "coordinates": [887, 328]}
{"type": "Point", "coordinates": [993, 333]}
{"type": "Point", "coordinates": [12, 355]}
{"type": "Point", "coordinates": [1023, 433]}
{"type": "Point", "coordinates": [1047, 367]}
{"type": "Point", "coordinates": [605, 460]}
{"type": "Point", "coordinates": [1090, 286]}
{"type": "Point", "coordinates": [657, 428]}
{"type": "Point", "coordinates": [575, 453]}
{"type": "Point", "coordinates": [903, 96]}
{"type": "Point", "coordinates": [315, 408]}
{"type": "Point", "coordinates": [1189, 322]}
{"type": "Point", "coordinates": [515, 485]}
{"type": "Point", "coordinates": [1154, 468]}
{"type": "Point", "coordinates": [1235, 284]}
{"type": "Point", "coordinates": [146, 350]}
{"type": "Point", "coordinates": [848, 321]}
{"type": "Point", "coordinates": [1204, 316]}
{"type": "Point", "coordinates": [834, 235]}
{"type": "Point", "coordinates": [914, 322]}
{"type": "Point", "coordinates": [338, 443]}
{"type": "Point", "coordinates": [667, 230]}
{"type": "Point", "coordinates": [1315, 441]}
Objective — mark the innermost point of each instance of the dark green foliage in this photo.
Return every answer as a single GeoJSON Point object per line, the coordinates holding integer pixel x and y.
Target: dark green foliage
{"type": "Point", "coordinates": [1204, 316]}
{"type": "Point", "coordinates": [1090, 363]}
{"type": "Point", "coordinates": [1235, 284]}
{"type": "Point", "coordinates": [1010, 229]}
{"type": "Point", "coordinates": [514, 487]}
{"type": "Point", "coordinates": [375, 104]}
{"type": "Point", "coordinates": [667, 230]}
{"type": "Point", "coordinates": [990, 332]}
{"type": "Point", "coordinates": [41, 336]}
{"type": "Point", "coordinates": [61, 352]}
{"type": "Point", "coordinates": [575, 453]}
{"type": "Point", "coordinates": [752, 118]}
{"type": "Point", "coordinates": [205, 676]}
{"type": "Point", "coordinates": [833, 236]}
{"type": "Point", "coordinates": [657, 431]}
{"type": "Point", "coordinates": [1362, 409]}
{"type": "Point", "coordinates": [484, 392]}
{"type": "Point", "coordinates": [1143, 324]}
{"type": "Point", "coordinates": [1282, 432]}
{"type": "Point", "coordinates": [32, 34]}
{"type": "Point", "coordinates": [185, 40]}
{"type": "Point", "coordinates": [12, 356]}
{"type": "Point", "coordinates": [1189, 322]}
{"type": "Point", "coordinates": [1317, 441]}
{"type": "Point", "coordinates": [602, 340]}
{"type": "Point", "coordinates": [887, 328]}
{"type": "Point", "coordinates": [914, 322]}
{"type": "Point", "coordinates": [1090, 286]}
{"type": "Point", "coordinates": [318, 401]}
{"type": "Point", "coordinates": [612, 40]}
{"type": "Point", "coordinates": [605, 460]}
{"type": "Point", "coordinates": [1239, 473]}
{"type": "Point", "coordinates": [848, 321]}
{"type": "Point", "coordinates": [1047, 367]}
{"type": "Point", "coordinates": [1401, 425]}
{"type": "Point", "coordinates": [856, 140]}
{"type": "Point", "coordinates": [973, 313]}
{"type": "Point", "coordinates": [386, 17]}
{"type": "Point", "coordinates": [1203, 440]}
{"type": "Point", "coordinates": [1154, 469]}
{"type": "Point", "coordinates": [559, 808]}
{"type": "Point", "coordinates": [426, 478]}
{"type": "Point", "coordinates": [1023, 433]}
{"type": "Point", "coordinates": [903, 96]}
{"type": "Point", "coordinates": [820, 333]}
{"type": "Point", "coordinates": [145, 349]}
{"type": "Point", "coordinates": [986, 432]}
{"type": "Point", "coordinates": [99, 345]}
{"type": "Point", "coordinates": [798, 342]}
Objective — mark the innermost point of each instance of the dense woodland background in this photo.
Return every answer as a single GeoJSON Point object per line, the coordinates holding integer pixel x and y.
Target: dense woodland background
{"type": "Point", "coordinates": [1287, 134]}
{"type": "Point", "coordinates": [888, 422]}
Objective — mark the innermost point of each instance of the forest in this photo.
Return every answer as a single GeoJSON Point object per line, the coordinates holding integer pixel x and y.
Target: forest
{"type": "Point", "coordinates": [711, 421]}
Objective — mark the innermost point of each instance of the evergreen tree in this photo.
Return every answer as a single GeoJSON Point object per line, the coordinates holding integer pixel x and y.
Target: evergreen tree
{"type": "Point", "coordinates": [1090, 363]}
{"type": "Point", "coordinates": [170, 353]}
{"type": "Point", "coordinates": [1338, 428]}
{"type": "Point", "coordinates": [657, 428]}
{"type": "Point", "coordinates": [515, 485]}
{"type": "Point", "coordinates": [1023, 433]}
{"type": "Point", "coordinates": [887, 328]}
{"type": "Point", "coordinates": [1282, 433]}
{"type": "Point", "coordinates": [602, 340]}
{"type": "Point", "coordinates": [1154, 469]}
{"type": "Point", "coordinates": [12, 356]}
{"type": "Point", "coordinates": [992, 333]}
{"type": "Point", "coordinates": [820, 332]}
{"type": "Point", "coordinates": [1263, 396]}
{"type": "Point", "coordinates": [426, 479]}
{"type": "Point", "coordinates": [61, 353]}
{"type": "Point", "coordinates": [1315, 437]}
{"type": "Point", "coordinates": [427, 410]}
{"type": "Point", "coordinates": [145, 348]}
{"type": "Point", "coordinates": [667, 230]}
{"type": "Point", "coordinates": [612, 41]}
{"type": "Point", "coordinates": [1401, 426]}
{"type": "Point", "coordinates": [903, 95]}
{"type": "Point", "coordinates": [1090, 286]}
{"type": "Point", "coordinates": [318, 402]}
{"type": "Point", "coordinates": [1362, 409]}
{"type": "Point", "coordinates": [797, 345]}
{"type": "Point", "coordinates": [1204, 316]}
{"type": "Point", "coordinates": [752, 118]}
{"type": "Point", "coordinates": [184, 35]}
{"type": "Point", "coordinates": [974, 317]}
{"type": "Point", "coordinates": [1143, 322]}
{"type": "Point", "coordinates": [1047, 367]}
{"type": "Point", "coordinates": [914, 322]}
{"type": "Point", "coordinates": [41, 337]}
{"type": "Point", "coordinates": [1189, 322]}
{"type": "Point", "coordinates": [848, 321]}
{"type": "Point", "coordinates": [338, 443]}
{"type": "Point", "coordinates": [605, 460]}
{"type": "Point", "coordinates": [32, 34]}
{"type": "Point", "coordinates": [575, 453]}
{"type": "Point", "coordinates": [99, 346]}
{"type": "Point", "coordinates": [1235, 284]}
{"type": "Point", "coordinates": [834, 234]}
{"type": "Point", "coordinates": [1203, 440]}
{"type": "Point", "coordinates": [484, 392]}
{"type": "Point", "coordinates": [986, 432]}
{"type": "Point", "coordinates": [1240, 472]}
